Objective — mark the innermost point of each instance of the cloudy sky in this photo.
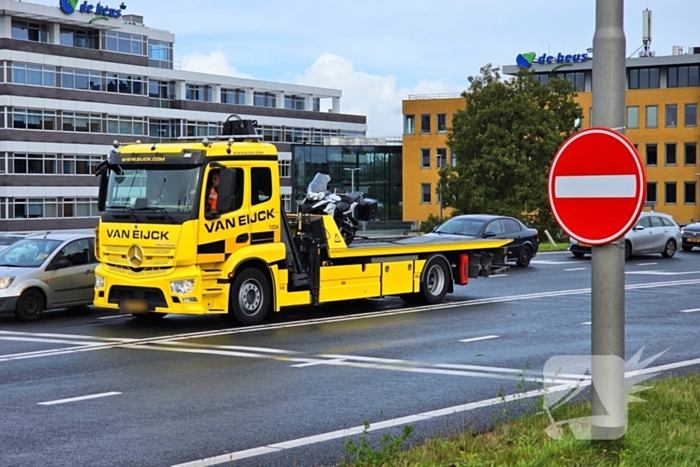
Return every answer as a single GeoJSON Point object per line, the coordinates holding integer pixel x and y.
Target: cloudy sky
{"type": "Point", "coordinates": [380, 51]}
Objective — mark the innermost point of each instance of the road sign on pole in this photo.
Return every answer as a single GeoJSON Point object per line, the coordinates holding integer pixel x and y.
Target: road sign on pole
{"type": "Point", "coordinates": [597, 186]}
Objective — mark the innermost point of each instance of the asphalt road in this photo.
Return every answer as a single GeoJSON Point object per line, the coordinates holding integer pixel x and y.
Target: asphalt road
{"type": "Point", "coordinates": [88, 387]}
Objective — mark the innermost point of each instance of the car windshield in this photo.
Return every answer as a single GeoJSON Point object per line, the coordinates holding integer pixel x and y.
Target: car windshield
{"type": "Point", "coordinates": [461, 226]}
{"type": "Point", "coordinates": [8, 240]}
{"type": "Point", "coordinates": [169, 189]}
{"type": "Point", "coordinates": [28, 253]}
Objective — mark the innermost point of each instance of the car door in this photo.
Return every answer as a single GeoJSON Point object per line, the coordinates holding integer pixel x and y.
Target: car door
{"type": "Point", "coordinates": [658, 234]}
{"type": "Point", "coordinates": [640, 236]}
{"type": "Point", "coordinates": [512, 229]}
{"type": "Point", "coordinates": [71, 274]}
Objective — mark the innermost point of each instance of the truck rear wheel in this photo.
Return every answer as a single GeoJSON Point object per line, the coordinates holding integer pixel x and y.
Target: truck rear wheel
{"type": "Point", "coordinates": [435, 283]}
{"type": "Point", "coordinates": [249, 299]}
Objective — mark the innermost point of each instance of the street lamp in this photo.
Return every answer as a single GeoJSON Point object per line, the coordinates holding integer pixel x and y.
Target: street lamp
{"type": "Point", "coordinates": [352, 180]}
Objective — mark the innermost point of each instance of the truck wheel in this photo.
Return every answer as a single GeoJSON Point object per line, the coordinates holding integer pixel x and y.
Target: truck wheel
{"type": "Point", "coordinates": [30, 305]}
{"type": "Point", "coordinates": [524, 257]}
{"type": "Point", "coordinates": [149, 317]}
{"type": "Point", "coordinates": [434, 285]}
{"type": "Point", "coordinates": [249, 299]}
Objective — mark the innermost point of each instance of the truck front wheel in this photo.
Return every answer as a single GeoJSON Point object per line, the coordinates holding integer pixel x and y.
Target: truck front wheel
{"type": "Point", "coordinates": [249, 299]}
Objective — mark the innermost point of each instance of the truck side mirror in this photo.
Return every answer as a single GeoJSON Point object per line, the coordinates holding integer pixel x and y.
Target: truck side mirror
{"type": "Point", "coordinates": [227, 184]}
{"type": "Point", "coordinates": [102, 192]}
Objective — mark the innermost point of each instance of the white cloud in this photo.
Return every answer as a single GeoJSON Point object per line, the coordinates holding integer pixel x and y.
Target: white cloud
{"type": "Point", "coordinates": [375, 96]}
{"type": "Point", "coordinates": [214, 63]}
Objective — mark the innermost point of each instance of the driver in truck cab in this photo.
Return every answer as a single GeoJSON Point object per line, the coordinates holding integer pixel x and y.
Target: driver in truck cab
{"type": "Point", "coordinates": [212, 191]}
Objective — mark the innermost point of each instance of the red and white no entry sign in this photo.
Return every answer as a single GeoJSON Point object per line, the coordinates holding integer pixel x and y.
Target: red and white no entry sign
{"type": "Point", "coordinates": [597, 186]}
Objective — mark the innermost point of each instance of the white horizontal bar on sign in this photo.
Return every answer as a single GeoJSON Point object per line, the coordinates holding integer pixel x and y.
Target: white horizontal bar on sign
{"type": "Point", "coordinates": [595, 186]}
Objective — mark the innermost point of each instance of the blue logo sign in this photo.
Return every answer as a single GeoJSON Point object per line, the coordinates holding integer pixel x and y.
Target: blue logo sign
{"type": "Point", "coordinates": [101, 11]}
{"type": "Point", "coordinates": [560, 58]}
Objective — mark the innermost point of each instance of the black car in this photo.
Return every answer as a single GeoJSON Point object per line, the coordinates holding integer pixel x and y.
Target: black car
{"type": "Point", "coordinates": [526, 241]}
{"type": "Point", "coordinates": [691, 236]}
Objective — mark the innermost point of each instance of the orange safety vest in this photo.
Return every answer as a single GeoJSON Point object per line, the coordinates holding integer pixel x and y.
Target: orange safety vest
{"type": "Point", "coordinates": [213, 196]}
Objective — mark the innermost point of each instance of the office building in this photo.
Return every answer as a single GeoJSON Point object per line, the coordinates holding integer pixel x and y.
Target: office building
{"type": "Point", "coordinates": [76, 78]}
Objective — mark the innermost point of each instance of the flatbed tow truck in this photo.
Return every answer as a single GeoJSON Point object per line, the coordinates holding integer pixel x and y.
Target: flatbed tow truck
{"type": "Point", "coordinates": [161, 253]}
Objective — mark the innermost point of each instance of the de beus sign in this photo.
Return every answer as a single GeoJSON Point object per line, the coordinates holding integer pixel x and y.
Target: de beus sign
{"type": "Point", "coordinates": [525, 60]}
{"type": "Point", "coordinates": [98, 9]}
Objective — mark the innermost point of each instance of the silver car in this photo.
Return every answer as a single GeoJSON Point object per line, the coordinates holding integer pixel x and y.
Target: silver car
{"type": "Point", "coordinates": [47, 271]}
{"type": "Point", "coordinates": [654, 232]}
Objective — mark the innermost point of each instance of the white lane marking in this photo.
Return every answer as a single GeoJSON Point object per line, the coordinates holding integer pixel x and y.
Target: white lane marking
{"type": "Point", "coordinates": [661, 273]}
{"type": "Point", "coordinates": [48, 341]}
{"type": "Point", "coordinates": [317, 362]}
{"type": "Point", "coordinates": [647, 264]}
{"type": "Point", "coordinates": [135, 343]}
{"type": "Point", "coordinates": [309, 440]}
{"type": "Point", "coordinates": [554, 262]}
{"type": "Point", "coordinates": [115, 317]}
{"type": "Point", "coordinates": [576, 269]}
{"type": "Point", "coordinates": [587, 323]}
{"type": "Point", "coordinates": [81, 398]}
{"type": "Point", "coordinates": [65, 336]}
{"type": "Point", "coordinates": [498, 275]}
{"type": "Point", "coordinates": [595, 186]}
{"type": "Point", "coordinates": [474, 339]}
{"type": "Point", "coordinates": [692, 310]}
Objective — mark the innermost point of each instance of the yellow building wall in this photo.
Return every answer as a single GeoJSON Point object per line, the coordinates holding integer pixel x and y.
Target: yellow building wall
{"type": "Point", "coordinates": [661, 173]}
{"type": "Point", "coordinates": [414, 174]}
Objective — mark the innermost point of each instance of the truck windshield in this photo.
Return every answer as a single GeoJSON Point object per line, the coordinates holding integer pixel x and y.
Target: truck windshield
{"type": "Point", "coordinates": [163, 189]}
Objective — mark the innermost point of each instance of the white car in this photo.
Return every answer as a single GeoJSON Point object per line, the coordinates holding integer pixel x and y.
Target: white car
{"type": "Point", "coordinates": [654, 232]}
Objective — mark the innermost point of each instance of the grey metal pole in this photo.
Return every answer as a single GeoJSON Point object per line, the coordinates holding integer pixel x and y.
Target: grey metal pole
{"type": "Point", "coordinates": [609, 409]}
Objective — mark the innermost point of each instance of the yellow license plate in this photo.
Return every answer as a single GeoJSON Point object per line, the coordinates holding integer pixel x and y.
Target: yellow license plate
{"type": "Point", "coordinates": [585, 244]}
{"type": "Point", "coordinates": [694, 240]}
{"type": "Point", "coordinates": [134, 306]}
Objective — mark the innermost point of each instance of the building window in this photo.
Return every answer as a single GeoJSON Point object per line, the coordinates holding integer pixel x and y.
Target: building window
{"type": "Point", "coordinates": [80, 207]}
{"type": "Point", "coordinates": [84, 80]}
{"type": "Point", "coordinates": [125, 43]}
{"type": "Point", "coordinates": [425, 193]}
{"type": "Point", "coordinates": [691, 153]}
{"type": "Point", "coordinates": [233, 96]}
{"type": "Point", "coordinates": [125, 84]}
{"type": "Point", "coordinates": [287, 203]}
{"type": "Point", "coordinates": [34, 164]}
{"type": "Point", "coordinates": [125, 125]}
{"type": "Point", "coordinates": [34, 32]}
{"type": "Point", "coordinates": [29, 119]}
{"type": "Point", "coordinates": [295, 102]}
{"type": "Point", "coordinates": [198, 93]}
{"type": "Point", "coordinates": [643, 78]}
{"type": "Point", "coordinates": [453, 157]}
{"type": "Point", "coordinates": [577, 78]}
{"type": "Point", "coordinates": [670, 192]}
{"type": "Point", "coordinates": [85, 123]}
{"type": "Point", "coordinates": [425, 123]}
{"type": "Point", "coordinates": [651, 154]}
{"type": "Point", "coordinates": [683, 76]}
{"type": "Point", "coordinates": [652, 116]}
{"type": "Point", "coordinates": [670, 153]}
{"type": "Point", "coordinates": [317, 105]}
{"type": "Point", "coordinates": [441, 157]}
{"type": "Point", "coordinates": [632, 117]}
{"type": "Point", "coordinates": [160, 93]}
{"type": "Point", "coordinates": [442, 123]}
{"type": "Point", "coordinates": [651, 192]}
{"type": "Point", "coordinates": [264, 99]}
{"type": "Point", "coordinates": [691, 114]}
{"type": "Point", "coordinates": [690, 191]}
{"type": "Point", "coordinates": [425, 158]}
{"type": "Point", "coordinates": [33, 75]}
{"type": "Point", "coordinates": [160, 54]}
{"type": "Point", "coordinates": [671, 115]}
{"type": "Point", "coordinates": [80, 38]}
{"type": "Point", "coordinates": [285, 169]}
{"type": "Point", "coordinates": [201, 129]}
{"type": "Point", "coordinates": [409, 124]}
{"type": "Point", "coordinates": [33, 208]}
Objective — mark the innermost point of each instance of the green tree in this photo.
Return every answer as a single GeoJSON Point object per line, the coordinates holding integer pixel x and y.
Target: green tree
{"type": "Point", "coordinates": [505, 139]}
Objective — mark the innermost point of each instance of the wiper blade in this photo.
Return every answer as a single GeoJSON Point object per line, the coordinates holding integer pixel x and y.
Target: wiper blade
{"type": "Point", "coordinates": [159, 209]}
{"type": "Point", "coordinates": [126, 208]}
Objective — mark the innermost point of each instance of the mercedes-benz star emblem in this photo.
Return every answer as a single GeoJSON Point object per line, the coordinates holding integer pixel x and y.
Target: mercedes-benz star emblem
{"type": "Point", "coordinates": [135, 255]}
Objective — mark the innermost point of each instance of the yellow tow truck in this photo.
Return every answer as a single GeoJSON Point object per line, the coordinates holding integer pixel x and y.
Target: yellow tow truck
{"type": "Point", "coordinates": [161, 250]}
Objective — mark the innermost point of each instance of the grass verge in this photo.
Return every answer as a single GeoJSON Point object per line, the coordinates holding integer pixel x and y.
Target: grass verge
{"type": "Point", "coordinates": [663, 431]}
{"type": "Point", "coordinates": [546, 247]}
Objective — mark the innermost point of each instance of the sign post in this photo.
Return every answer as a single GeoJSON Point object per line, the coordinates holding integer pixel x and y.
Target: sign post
{"type": "Point", "coordinates": [597, 190]}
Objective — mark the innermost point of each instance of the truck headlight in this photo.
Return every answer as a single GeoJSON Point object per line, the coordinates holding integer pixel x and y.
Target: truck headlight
{"type": "Point", "coordinates": [99, 282]}
{"type": "Point", "coordinates": [182, 287]}
{"type": "Point", "coordinates": [5, 282]}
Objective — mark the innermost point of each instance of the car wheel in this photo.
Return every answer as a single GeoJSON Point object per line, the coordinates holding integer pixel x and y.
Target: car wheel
{"type": "Point", "coordinates": [686, 248]}
{"type": "Point", "coordinates": [628, 250]}
{"type": "Point", "coordinates": [577, 254]}
{"type": "Point", "coordinates": [669, 249]}
{"type": "Point", "coordinates": [30, 305]}
{"type": "Point", "coordinates": [250, 297]}
{"type": "Point", "coordinates": [524, 257]}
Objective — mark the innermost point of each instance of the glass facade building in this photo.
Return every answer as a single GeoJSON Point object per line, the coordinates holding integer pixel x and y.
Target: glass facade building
{"type": "Point", "coordinates": [378, 177]}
